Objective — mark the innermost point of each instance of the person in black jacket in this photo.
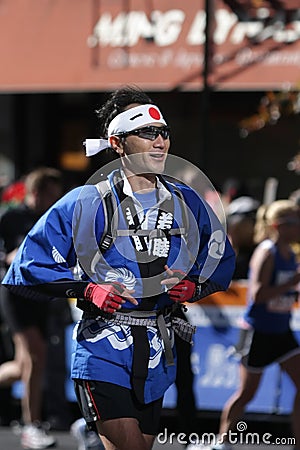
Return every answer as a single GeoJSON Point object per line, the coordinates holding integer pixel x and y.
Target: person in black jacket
{"type": "Point", "coordinates": [27, 319]}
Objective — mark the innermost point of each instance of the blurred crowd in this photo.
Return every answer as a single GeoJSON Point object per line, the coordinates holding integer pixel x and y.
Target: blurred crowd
{"type": "Point", "coordinates": [34, 360]}
{"type": "Point", "coordinates": [32, 347]}
{"type": "Point", "coordinates": [33, 368]}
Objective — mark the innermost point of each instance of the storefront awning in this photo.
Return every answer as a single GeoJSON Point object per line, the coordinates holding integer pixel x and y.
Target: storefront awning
{"type": "Point", "coordinates": [96, 45]}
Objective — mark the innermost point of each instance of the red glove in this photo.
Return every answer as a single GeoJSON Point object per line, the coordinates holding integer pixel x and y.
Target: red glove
{"type": "Point", "coordinates": [184, 290]}
{"type": "Point", "coordinates": [105, 296]}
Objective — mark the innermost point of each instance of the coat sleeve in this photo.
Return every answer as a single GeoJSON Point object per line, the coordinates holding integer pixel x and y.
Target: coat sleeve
{"type": "Point", "coordinates": [215, 261]}
{"type": "Point", "coordinates": [47, 252]}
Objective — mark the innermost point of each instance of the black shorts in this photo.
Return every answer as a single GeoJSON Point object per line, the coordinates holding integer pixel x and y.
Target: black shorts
{"type": "Point", "coordinates": [21, 313]}
{"type": "Point", "coordinates": [266, 349]}
{"type": "Point", "coordinates": [102, 401]}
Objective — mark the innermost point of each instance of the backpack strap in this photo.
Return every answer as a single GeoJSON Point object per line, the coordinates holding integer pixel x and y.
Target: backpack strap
{"type": "Point", "coordinates": [110, 209]}
{"type": "Point", "coordinates": [183, 207]}
{"type": "Point", "coordinates": [182, 203]}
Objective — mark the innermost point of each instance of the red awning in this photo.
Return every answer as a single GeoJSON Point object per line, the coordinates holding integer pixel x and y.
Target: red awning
{"type": "Point", "coordinates": [63, 45]}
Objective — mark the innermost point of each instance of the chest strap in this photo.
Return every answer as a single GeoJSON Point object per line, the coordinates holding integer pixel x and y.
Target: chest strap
{"type": "Point", "coordinates": [150, 233]}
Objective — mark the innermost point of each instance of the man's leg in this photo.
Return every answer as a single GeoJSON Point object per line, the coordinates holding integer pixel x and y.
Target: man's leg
{"type": "Point", "coordinates": [124, 434]}
{"type": "Point", "coordinates": [33, 374]}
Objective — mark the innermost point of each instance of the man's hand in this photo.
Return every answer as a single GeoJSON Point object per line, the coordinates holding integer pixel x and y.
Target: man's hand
{"type": "Point", "coordinates": [182, 288]}
{"type": "Point", "coordinates": [108, 297]}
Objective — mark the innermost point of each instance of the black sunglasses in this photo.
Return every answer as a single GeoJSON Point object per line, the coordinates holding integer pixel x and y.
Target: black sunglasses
{"type": "Point", "coordinates": [150, 132]}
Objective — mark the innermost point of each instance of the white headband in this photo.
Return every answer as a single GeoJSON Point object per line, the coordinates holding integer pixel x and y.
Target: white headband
{"type": "Point", "coordinates": [126, 121]}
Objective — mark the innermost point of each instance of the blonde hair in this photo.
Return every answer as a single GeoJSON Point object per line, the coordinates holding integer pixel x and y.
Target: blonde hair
{"type": "Point", "coordinates": [260, 227]}
{"type": "Point", "coordinates": [279, 209]}
{"type": "Point", "coordinates": [268, 215]}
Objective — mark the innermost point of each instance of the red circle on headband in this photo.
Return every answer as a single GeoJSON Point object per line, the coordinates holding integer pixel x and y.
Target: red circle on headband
{"type": "Point", "coordinates": [154, 113]}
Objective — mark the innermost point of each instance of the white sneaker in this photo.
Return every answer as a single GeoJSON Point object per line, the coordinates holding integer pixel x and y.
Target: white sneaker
{"type": "Point", "coordinates": [197, 447]}
{"type": "Point", "coordinates": [87, 440]}
{"type": "Point", "coordinates": [218, 446]}
{"type": "Point", "coordinates": [34, 437]}
{"type": "Point", "coordinates": [222, 446]}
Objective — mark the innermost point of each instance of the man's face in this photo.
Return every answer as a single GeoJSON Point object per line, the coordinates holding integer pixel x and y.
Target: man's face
{"type": "Point", "coordinates": [143, 150]}
{"type": "Point", "coordinates": [144, 155]}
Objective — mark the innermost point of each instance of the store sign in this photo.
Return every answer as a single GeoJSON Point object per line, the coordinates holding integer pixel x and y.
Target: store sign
{"type": "Point", "coordinates": [96, 45]}
{"type": "Point", "coordinates": [250, 38]}
{"type": "Point", "coordinates": [164, 28]}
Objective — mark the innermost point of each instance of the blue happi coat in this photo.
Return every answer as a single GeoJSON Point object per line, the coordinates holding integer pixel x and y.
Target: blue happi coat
{"type": "Point", "coordinates": [67, 237]}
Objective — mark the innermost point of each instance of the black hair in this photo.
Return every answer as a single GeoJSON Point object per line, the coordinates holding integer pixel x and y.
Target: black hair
{"type": "Point", "coordinates": [40, 178]}
{"type": "Point", "coordinates": [117, 102]}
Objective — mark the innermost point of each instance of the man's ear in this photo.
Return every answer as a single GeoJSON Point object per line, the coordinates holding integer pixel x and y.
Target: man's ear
{"type": "Point", "coordinates": [116, 143]}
